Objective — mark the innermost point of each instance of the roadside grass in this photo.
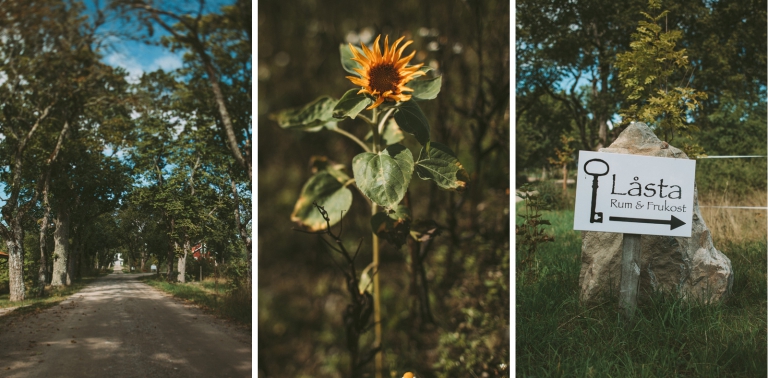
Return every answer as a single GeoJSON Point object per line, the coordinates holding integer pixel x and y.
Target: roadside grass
{"type": "Point", "coordinates": [212, 296]}
{"type": "Point", "coordinates": [559, 337]}
{"type": "Point", "coordinates": [53, 296]}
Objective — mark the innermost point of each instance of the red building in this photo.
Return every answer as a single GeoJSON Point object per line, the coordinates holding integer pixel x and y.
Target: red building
{"type": "Point", "coordinates": [200, 250]}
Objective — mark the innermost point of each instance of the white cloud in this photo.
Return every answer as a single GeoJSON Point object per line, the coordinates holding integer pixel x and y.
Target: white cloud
{"type": "Point", "coordinates": [129, 63]}
{"type": "Point", "coordinates": [167, 62]}
{"type": "Point", "coordinates": [179, 127]}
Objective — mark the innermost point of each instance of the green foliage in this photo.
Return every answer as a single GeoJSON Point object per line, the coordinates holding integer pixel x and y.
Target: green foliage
{"type": "Point", "coordinates": [391, 135]}
{"type": "Point", "coordinates": [412, 120]}
{"type": "Point", "coordinates": [230, 301]}
{"type": "Point", "coordinates": [351, 104]}
{"type": "Point", "coordinates": [558, 336]}
{"type": "Point", "coordinates": [648, 73]}
{"type": "Point", "coordinates": [426, 89]}
{"type": "Point", "coordinates": [476, 341]}
{"type": "Point", "coordinates": [310, 117]}
{"type": "Point", "coordinates": [384, 177]}
{"type": "Point", "coordinates": [530, 233]}
{"type": "Point", "coordinates": [438, 163]}
{"type": "Point", "coordinates": [564, 153]}
{"type": "Point", "coordinates": [328, 191]}
{"type": "Point", "coordinates": [569, 66]}
{"type": "Point", "coordinates": [392, 226]}
{"type": "Point", "coordinates": [554, 197]}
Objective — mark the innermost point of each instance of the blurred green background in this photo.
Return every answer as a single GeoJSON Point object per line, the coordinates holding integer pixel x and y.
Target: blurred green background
{"type": "Point", "coordinates": [301, 293]}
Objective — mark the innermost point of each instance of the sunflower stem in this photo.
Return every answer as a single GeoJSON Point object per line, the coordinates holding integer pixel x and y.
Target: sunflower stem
{"type": "Point", "coordinates": [375, 131]}
{"type": "Point", "coordinates": [366, 119]}
{"type": "Point", "coordinates": [376, 299]}
{"type": "Point", "coordinates": [354, 138]}
{"type": "Point", "coordinates": [383, 124]}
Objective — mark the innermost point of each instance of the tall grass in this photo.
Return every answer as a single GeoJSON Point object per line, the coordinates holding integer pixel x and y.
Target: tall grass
{"type": "Point", "coordinates": [558, 336]}
{"type": "Point", "coordinates": [215, 296]}
{"type": "Point", "coordinates": [734, 225]}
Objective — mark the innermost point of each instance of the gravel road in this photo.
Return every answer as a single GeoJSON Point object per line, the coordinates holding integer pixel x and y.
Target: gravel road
{"type": "Point", "coordinates": [120, 327]}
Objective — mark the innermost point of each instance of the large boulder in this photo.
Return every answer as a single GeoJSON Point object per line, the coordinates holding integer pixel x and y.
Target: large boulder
{"type": "Point", "coordinates": [689, 267]}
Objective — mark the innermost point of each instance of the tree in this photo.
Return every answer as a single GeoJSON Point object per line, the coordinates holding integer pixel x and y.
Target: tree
{"type": "Point", "coordinates": [220, 50]}
{"type": "Point", "coordinates": [559, 42]}
{"type": "Point", "coordinates": [648, 74]}
{"type": "Point", "coordinates": [46, 60]}
{"type": "Point", "coordinates": [564, 157]}
{"type": "Point", "coordinates": [569, 49]}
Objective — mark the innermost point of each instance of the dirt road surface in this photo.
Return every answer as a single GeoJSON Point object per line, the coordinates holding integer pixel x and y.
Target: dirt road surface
{"type": "Point", "coordinates": [120, 327]}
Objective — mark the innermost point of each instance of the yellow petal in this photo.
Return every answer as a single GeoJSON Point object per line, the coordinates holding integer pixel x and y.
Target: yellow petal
{"type": "Point", "coordinates": [394, 48]}
{"type": "Point", "coordinates": [358, 81]}
{"type": "Point", "coordinates": [386, 47]}
{"type": "Point", "coordinates": [402, 48]}
{"type": "Point", "coordinates": [376, 104]}
{"type": "Point", "coordinates": [367, 52]}
{"type": "Point", "coordinates": [354, 51]}
{"type": "Point", "coordinates": [402, 62]}
{"type": "Point", "coordinates": [376, 49]}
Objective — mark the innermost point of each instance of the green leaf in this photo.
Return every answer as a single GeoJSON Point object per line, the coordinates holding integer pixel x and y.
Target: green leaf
{"type": "Point", "coordinates": [322, 163]}
{"type": "Point", "coordinates": [384, 177]}
{"type": "Point", "coordinates": [328, 191]}
{"type": "Point", "coordinates": [426, 89]}
{"type": "Point", "coordinates": [347, 63]}
{"type": "Point", "coordinates": [412, 120]}
{"type": "Point", "coordinates": [393, 226]}
{"type": "Point", "coordinates": [316, 114]}
{"type": "Point", "coordinates": [392, 134]}
{"type": "Point", "coordinates": [366, 282]}
{"type": "Point", "coordinates": [351, 104]}
{"type": "Point", "coordinates": [441, 165]}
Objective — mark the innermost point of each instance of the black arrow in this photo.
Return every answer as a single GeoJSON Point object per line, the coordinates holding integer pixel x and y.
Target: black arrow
{"type": "Point", "coordinates": [673, 223]}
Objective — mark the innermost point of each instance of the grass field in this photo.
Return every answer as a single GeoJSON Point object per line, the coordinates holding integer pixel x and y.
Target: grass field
{"type": "Point", "coordinates": [556, 336]}
{"type": "Point", "coordinates": [212, 295]}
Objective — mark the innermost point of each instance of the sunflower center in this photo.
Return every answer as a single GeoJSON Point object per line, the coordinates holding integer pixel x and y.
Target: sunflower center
{"type": "Point", "coordinates": [384, 77]}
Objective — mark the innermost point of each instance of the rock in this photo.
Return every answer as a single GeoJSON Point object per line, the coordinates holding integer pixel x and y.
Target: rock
{"type": "Point", "coordinates": [690, 267]}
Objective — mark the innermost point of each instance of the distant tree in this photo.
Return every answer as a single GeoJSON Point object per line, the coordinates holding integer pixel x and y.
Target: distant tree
{"type": "Point", "coordinates": [564, 156]}
{"type": "Point", "coordinates": [649, 72]}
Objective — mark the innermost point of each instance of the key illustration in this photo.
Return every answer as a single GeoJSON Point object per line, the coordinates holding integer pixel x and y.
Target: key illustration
{"type": "Point", "coordinates": [594, 216]}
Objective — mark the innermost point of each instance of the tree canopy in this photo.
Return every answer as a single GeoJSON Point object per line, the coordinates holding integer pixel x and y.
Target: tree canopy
{"type": "Point", "coordinates": [580, 72]}
{"type": "Point", "coordinates": [97, 164]}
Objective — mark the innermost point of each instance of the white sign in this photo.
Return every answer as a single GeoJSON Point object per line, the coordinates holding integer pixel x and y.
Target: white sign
{"type": "Point", "coordinates": [634, 194]}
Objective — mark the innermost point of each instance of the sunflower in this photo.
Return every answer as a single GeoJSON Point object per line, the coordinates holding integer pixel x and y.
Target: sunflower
{"type": "Point", "coordinates": [384, 75]}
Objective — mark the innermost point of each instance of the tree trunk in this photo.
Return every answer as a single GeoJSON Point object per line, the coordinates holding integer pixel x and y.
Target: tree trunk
{"type": "Point", "coordinates": [42, 276]}
{"type": "Point", "coordinates": [565, 179]}
{"type": "Point", "coordinates": [171, 252]}
{"type": "Point", "coordinates": [73, 264]}
{"type": "Point", "coordinates": [242, 230]}
{"type": "Point", "coordinates": [183, 261]}
{"type": "Point", "coordinates": [16, 263]}
{"type": "Point", "coordinates": [60, 246]}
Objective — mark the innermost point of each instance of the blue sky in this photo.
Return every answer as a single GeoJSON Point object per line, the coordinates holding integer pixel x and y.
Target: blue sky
{"type": "Point", "coordinates": [138, 57]}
